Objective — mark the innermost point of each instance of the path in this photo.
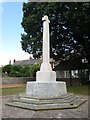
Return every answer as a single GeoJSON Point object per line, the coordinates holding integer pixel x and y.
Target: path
{"type": "Point", "coordinates": [11, 85]}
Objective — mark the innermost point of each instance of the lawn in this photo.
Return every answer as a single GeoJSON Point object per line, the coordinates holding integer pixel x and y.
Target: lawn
{"type": "Point", "coordinates": [11, 91]}
{"type": "Point", "coordinates": [83, 90]}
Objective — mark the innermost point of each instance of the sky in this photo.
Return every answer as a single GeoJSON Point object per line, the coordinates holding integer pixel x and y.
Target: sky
{"type": "Point", "coordinates": [10, 32]}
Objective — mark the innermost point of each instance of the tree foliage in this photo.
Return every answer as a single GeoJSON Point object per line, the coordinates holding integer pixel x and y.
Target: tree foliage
{"type": "Point", "coordinates": [16, 71]}
{"type": "Point", "coordinates": [7, 69]}
{"type": "Point", "coordinates": [69, 29]}
{"type": "Point", "coordinates": [21, 71]}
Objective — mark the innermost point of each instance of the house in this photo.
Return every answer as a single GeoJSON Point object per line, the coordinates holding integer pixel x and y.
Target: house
{"type": "Point", "coordinates": [29, 61]}
{"type": "Point", "coordinates": [73, 69]}
{"type": "Point", "coordinates": [71, 65]}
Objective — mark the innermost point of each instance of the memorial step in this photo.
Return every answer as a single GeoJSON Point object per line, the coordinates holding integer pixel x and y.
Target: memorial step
{"type": "Point", "coordinates": [48, 101]}
{"type": "Point", "coordinates": [60, 97]}
{"type": "Point", "coordinates": [46, 106]}
{"type": "Point", "coordinates": [72, 101]}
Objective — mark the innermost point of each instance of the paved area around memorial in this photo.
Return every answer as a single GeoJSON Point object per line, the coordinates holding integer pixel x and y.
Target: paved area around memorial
{"type": "Point", "coordinates": [14, 112]}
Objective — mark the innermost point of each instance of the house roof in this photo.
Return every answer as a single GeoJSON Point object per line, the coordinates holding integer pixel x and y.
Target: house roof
{"type": "Point", "coordinates": [71, 65]}
{"type": "Point", "coordinates": [30, 61]}
{"type": "Point", "coordinates": [27, 62]}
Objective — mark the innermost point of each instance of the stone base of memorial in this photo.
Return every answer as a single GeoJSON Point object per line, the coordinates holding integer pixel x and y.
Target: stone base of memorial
{"type": "Point", "coordinates": [45, 90]}
{"type": "Point", "coordinates": [46, 86]}
{"type": "Point", "coordinates": [44, 95]}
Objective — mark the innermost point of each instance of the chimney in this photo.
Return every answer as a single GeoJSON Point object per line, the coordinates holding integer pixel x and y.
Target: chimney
{"type": "Point", "coordinates": [14, 61]}
{"type": "Point", "coordinates": [9, 62]}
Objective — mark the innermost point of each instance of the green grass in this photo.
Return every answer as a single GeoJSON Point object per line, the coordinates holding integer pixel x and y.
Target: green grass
{"type": "Point", "coordinates": [11, 91]}
{"type": "Point", "coordinates": [83, 90]}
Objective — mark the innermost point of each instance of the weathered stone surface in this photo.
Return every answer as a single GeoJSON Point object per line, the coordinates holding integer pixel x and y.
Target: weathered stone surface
{"type": "Point", "coordinates": [46, 76]}
{"type": "Point", "coordinates": [70, 101]}
{"type": "Point", "coordinates": [46, 90]}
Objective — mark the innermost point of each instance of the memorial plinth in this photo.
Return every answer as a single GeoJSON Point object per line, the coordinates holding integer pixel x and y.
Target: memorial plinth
{"type": "Point", "coordinates": [46, 90]}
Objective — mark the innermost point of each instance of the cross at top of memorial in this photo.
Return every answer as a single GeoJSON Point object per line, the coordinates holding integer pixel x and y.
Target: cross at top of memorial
{"type": "Point", "coordinates": [45, 18]}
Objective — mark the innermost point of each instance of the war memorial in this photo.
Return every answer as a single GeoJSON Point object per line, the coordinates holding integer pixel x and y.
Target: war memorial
{"type": "Point", "coordinates": [46, 93]}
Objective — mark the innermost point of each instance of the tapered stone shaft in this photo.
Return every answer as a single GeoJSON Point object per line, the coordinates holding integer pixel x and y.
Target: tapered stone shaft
{"type": "Point", "coordinates": [46, 74]}
{"type": "Point", "coordinates": [46, 40]}
{"type": "Point", "coordinates": [46, 45]}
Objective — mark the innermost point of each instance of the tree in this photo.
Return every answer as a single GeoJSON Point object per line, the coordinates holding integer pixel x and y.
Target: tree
{"type": "Point", "coordinates": [69, 29]}
{"type": "Point", "coordinates": [15, 71]}
{"type": "Point", "coordinates": [35, 68]}
{"type": "Point", "coordinates": [23, 71]}
{"type": "Point", "coordinates": [7, 69]}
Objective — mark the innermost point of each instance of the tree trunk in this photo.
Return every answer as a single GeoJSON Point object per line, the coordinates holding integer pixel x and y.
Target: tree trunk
{"type": "Point", "coordinates": [70, 78]}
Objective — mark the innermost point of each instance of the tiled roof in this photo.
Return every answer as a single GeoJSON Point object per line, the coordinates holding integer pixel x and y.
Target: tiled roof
{"type": "Point", "coordinates": [27, 62]}
{"type": "Point", "coordinates": [30, 61]}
